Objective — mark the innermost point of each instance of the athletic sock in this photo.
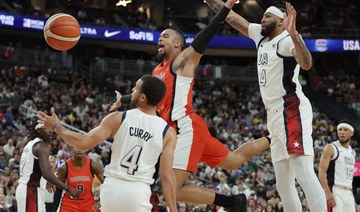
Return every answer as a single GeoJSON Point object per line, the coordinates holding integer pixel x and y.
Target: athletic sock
{"type": "Point", "coordinates": [223, 200]}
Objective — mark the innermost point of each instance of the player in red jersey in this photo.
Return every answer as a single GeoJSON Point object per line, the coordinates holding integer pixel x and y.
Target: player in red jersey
{"type": "Point", "coordinates": [78, 173]}
{"type": "Point", "coordinates": [194, 142]}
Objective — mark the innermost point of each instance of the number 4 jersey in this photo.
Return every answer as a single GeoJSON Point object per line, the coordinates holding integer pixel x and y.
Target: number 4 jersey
{"type": "Point", "coordinates": [137, 146]}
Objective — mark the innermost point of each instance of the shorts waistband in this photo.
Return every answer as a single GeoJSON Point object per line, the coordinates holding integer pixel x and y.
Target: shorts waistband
{"type": "Point", "coordinates": [343, 187]}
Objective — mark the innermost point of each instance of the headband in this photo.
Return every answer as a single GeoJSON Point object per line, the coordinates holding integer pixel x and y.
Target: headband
{"type": "Point", "coordinates": [345, 125]}
{"type": "Point", "coordinates": [276, 11]}
{"type": "Point", "coordinates": [38, 126]}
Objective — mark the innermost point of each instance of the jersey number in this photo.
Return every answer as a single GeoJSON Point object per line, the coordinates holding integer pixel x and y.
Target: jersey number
{"type": "Point", "coordinates": [131, 159]}
{"type": "Point", "coordinates": [80, 188]}
{"type": "Point", "coordinates": [263, 77]}
{"type": "Point", "coordinates": [349, 173]}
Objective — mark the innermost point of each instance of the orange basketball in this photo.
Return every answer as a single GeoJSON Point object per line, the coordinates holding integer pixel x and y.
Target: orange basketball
{"type": "Point", "coordinates": [62, 31]}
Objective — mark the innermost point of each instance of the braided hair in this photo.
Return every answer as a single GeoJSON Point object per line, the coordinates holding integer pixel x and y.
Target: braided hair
{"type": "Point", "coordinates": [33, 133]}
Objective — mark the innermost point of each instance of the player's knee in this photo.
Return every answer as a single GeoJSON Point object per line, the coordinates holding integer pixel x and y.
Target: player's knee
{"type": "Point", "coordinates": [232, 161]}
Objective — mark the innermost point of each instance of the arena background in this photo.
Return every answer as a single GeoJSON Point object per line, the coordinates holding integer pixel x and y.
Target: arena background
{"type": "Point", "coordinates": [80, 82]}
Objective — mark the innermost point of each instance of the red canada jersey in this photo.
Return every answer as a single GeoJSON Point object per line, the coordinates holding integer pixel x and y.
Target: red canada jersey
{"type": "Point", "coordinates": [177, 102]}
{"type": "Point", "coordinates": [81, 180]}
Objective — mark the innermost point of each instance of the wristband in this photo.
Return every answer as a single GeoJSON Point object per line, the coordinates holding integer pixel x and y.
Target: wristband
{"type": "Point", "coordinates": [126, 99]}
{"type": "Point", "coordinates": [54, 125]}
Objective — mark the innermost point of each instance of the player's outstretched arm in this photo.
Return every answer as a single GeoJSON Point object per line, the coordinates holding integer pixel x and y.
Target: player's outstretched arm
{"type": "Point", "coordinates": [82, 142]}
{"type": "Point", "coordinates": [167, 176]}
{"type": "Point", "coordinates": [301, 52]}
{"type": "Point", "coordinates": [186, 62]}
{"type": "Point", "coordinates": [323, 167]}
{"type": "Point", "coordinates": [235, 20]}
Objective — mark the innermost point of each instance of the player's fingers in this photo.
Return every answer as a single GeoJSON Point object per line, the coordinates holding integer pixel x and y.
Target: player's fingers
{"type": "Point", "coordinates": [52, 111]}
{"type": "Point", "coordinates": [40, 114]}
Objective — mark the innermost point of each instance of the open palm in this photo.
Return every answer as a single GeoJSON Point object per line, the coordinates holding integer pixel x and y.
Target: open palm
{"type": "Point", "coordinates": [290, 19]}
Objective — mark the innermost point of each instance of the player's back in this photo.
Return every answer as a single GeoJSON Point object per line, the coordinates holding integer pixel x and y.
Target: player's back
{"type": "Point", "coordinates": [137, 146]}
{"type": "Point", "coordinates": [30, 172]}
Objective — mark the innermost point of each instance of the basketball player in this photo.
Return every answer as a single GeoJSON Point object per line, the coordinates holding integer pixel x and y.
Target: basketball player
{"type": "Point", "coordinates": [35, 170]}
{"type": "Point", "coordinates": [140, 138]}
{"type": "Point", "coordinates": [281, 52]}
{"type": "Point", "coordinates": [336, 170]}
{"type": "Point", "coordinates": [50, 189]}
{"type": "Point", "coordinates": [78, 173]}
{"type": "Point", "coordinates": [194, 142]}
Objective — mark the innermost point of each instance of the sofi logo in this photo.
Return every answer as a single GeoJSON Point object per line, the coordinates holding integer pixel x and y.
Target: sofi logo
{"type": "Point", "coordinates": [145, 36]}
{"type": "Point", "coordinates": [33, 23]}
{"type": "Point", "coordinates": [7, 20]}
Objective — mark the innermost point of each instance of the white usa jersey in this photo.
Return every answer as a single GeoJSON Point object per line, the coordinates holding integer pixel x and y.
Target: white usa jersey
{"type": "Point", "coordinates": [137, 146]}
{"type": "Point", "coordinates": [341, 167]}
{"type": "Point", "coordinates": [278, 70]}
{"type": "Point", "coordinates": [30, 172]}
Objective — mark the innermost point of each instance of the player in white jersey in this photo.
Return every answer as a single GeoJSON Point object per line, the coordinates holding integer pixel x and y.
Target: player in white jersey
{"type": "Point", "coordinates": [35, 170]}
{"type": "Point", "coordinates": [336, 170]}
{"type": "Point", "coordinates": [281, 52]}
{"type": "Point", "coordinates": [140, 138]}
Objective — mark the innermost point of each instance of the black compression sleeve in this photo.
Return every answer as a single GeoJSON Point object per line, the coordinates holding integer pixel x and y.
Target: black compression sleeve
{"type": "Point", "coordinates": [204, 37]}
{"type": "Point", "coordinates": [126, 99]}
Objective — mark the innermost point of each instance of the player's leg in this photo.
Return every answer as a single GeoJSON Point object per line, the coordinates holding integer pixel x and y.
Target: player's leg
{"type": "Point", "coordinates": [306, 177]}
{"type": "Point", "coordinates": [20, 195]}
{"type": "Point", "coordinates": [191, 193]}
{"type": "Point", "coordinates": [242, 154]}
{"type": "Point", "coordinates": [285, 184]}
{"type": "Point", "coordinates": [339, 200]}
{"type": "Point", "coordinates": [195, 144]}
{"type": "Point", "coordinates": [349, 202]}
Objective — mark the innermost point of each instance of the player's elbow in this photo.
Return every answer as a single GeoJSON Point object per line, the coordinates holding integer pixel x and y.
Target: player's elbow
{"type": "Point", "coordinates": [306, 67]}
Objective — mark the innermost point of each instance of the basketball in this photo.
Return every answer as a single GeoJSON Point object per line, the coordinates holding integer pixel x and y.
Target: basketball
{"type": "Point", "coordinates": [62, 31]}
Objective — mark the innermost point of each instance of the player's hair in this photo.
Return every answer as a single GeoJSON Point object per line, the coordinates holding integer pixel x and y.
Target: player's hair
{"type": "Point", "coordinates": [345, 121]}
{"type": "Point", "coordinates": [181, 37]}
{"type": "Point", "coordinates": [153, 88]}
{"type": "Point", "coordinates": [33, 133]}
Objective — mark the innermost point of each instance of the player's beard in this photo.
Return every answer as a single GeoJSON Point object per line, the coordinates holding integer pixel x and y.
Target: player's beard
{"type": "Point", "coordinates": [134, 103]}
{"type": "Point", "coordinates": [160, 56]}
{"type": "Point", "coordinates": [344, 141]}
{"type": "Point", "coordinates": [269, 29]}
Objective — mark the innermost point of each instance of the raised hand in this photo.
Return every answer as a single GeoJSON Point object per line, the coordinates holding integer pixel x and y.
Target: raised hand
{"type": "Point", "coordinates": [117, 103]}
{"type": "Point", "coordinates": [230, 3]}
{"type": "Point", "coordinates": [290, 19]}
{"type": "Point", "coordinates": [48, 122]}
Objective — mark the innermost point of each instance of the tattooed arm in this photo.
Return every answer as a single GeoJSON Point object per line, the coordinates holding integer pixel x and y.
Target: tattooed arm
{"type": "Point", "coordinates": [301, 52]}
{"type": "Point", "coordinates": [235, 20]}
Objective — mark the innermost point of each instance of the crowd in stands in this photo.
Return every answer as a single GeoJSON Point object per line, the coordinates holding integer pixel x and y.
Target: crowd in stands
{"type": "Point", "coordinates": [234, 113]}
{"type": "Point", "coordinates": [316, 18]}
